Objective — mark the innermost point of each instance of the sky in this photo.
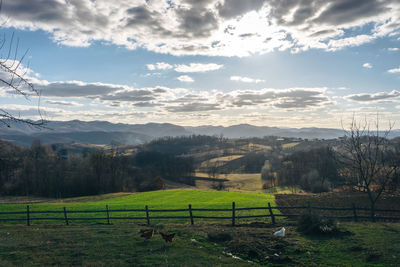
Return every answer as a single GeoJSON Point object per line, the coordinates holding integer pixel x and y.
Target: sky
{"type": "Point", "coordinates": [285, 63]}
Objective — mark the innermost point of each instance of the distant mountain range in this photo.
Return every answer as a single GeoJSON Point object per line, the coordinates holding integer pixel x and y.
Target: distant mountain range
{"type": "Point", "coordinates": [103, 132]}
{"type": "Point", "coordinates": [246, 130]}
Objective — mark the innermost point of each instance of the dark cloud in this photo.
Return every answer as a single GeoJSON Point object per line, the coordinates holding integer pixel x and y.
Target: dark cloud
{"type": "Point", "coordinates": [48, 11]}
{"type": "Point", "coordinates": [344, 11]}
{"type": "Point", "coordinates": [60, 103]}
{"type": "Point", "coordinates": [140, 16]}
{"type": "Point", "coordinates": [196, 23]}
{"type": "Point", "coordinates": [234, 8]}
{"type": "Point", "coordinates": [336, 12]}
{"type": "Point", "coordinates": [55, 13]}
{"type": "Point", "coordinates": [76, 89]}
{"type": "Point", "coordinates": [199, 3]}
{"type": "Point", "coordinates": [382, 96]}
{"type": "Point", "coordinates": [293, 98]}
{"type": "Point", "coordinates": [106, 92]}
{"type": "Point", "coordinates": [193, 107]}
{"type": "Point", "coordinates": [189, 98]}
{"type": "Point", "coordinates": [247, 35]}
{"type": "Point", "coordinates": [193, 27]}
{"type": "Point", "coordinates": [130, 95]}
{"type": "Point", "coordinates": [159, 90]}
{"type": "Point", "coordinates": [146, 104]}
{"type": "Point", "coordinates": [321, 33]}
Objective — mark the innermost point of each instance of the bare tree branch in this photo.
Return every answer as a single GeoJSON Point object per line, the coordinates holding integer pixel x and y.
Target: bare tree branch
{"type": "Point", "coordinates": [14, 77]}
{"type": "Point", "coordinates": [366, 154]}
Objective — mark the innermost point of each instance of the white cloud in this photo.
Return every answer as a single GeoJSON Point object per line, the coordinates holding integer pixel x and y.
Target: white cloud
{"type": "Point", "coordinates": [185, 78]}
{"type": "Point", "coordinates": [246, 79]}
{"type": "Point", "coordinates": [357, 40]}
{"type": "Point", "coordinates": [198, 67]}
{"type": "Point", "coordinates": [367, 65]}
{"type": "Point", "coordinates": [192, 67]}
{"type": "Point", "coordinates": [393, 49]}
{"type": "Point", "coordinates": [159, 66]}
{"type": "Point", "coordinates": [396, 70]}
{"type": "Point", "coordinates": [208, 27]}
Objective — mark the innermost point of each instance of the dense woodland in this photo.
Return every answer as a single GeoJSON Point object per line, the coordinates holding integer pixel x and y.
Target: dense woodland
{"type": "Point", "coordinates": [43, 171]}
{"type": "Point", "coordinates": [56, 171]}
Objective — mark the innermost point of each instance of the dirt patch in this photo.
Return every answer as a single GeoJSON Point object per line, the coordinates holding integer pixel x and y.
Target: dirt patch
{"type": "Point", "coordinates": [22, 199]}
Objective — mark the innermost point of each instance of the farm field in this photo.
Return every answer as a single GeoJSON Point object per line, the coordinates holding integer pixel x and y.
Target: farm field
{"type": "Point", "coordinates": [290, 145]}
{"type": "Point", "coordinates": [225, 158]}
{"type": "Point", "coordinates": [244, 182]}
{"type": "Point", "coordinates": [167, 199]}
{"type": "Point", "coordinates": [250, 243]}
{"type": "Point", "coordinates": [206, 244]}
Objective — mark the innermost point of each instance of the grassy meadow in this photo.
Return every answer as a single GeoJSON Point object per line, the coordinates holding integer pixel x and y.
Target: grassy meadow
{"type": "Point", "coordinates": [361, 244]}
{"type": "Point", "coordinates": [212, 243]}
{"type": "Point", "coordinates": [166, 199]}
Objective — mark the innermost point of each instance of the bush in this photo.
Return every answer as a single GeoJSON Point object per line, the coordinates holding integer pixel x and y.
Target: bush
{"type": "Point", "coordinates": [316, 225]}
{"type": "Point", "coordinates": [311, 182]}
{"type": "Point", "coordinates": [320, 188]}
{"type": "Point", "coordinates": [219, 186]}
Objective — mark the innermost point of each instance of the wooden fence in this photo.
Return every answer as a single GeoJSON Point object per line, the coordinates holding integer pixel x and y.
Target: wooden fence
{"type": "Point", "coordinates": [107, 214]}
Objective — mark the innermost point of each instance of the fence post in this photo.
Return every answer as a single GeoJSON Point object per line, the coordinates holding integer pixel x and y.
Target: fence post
{"type": "Point", "coordinates": [233, 213]}
{"type": "Point", "coordinates": [309, 207]}
{"type": "Point", "coordinates": [355, 213]}
{"type": "Point", "coordinates": [66, 216]}
{"type": "Point", "coordinates": [27, 216]}
{"type": "Point", "coordinates": [147, 215]}
{"type": "Point", "coordinates": [108, 215]}
{"type": "Point", "coordinates": [271, 213]}
{"type": "Point", "coordinates": [191, 214]}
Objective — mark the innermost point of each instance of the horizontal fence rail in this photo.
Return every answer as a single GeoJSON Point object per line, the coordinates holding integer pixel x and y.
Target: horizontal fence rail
{"type": "Point", "coordinates": [107, 214]}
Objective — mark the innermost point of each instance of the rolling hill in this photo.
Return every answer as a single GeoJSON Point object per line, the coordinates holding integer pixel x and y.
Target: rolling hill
{"type": "Point", "coordinates": [104, 132]}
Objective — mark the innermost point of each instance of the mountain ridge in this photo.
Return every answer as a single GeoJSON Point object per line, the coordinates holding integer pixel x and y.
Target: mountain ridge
{"type": "Point", "coordinates": [104, 132]}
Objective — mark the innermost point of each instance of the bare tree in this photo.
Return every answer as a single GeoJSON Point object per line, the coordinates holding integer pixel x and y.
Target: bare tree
{"type": "Point", "coordinates": [368, 155]}
{"type": "Point", "coordinates": [13, 76]}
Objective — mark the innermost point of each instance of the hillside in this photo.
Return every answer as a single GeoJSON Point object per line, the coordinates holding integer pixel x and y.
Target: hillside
{"type": "Point", "coordinates": [104, 132]}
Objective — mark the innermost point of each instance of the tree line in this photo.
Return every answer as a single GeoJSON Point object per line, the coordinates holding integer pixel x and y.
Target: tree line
{"type": "Point", "coordinates": [315, 170]}
{"type": "Point", "coordinates": [43, 171]}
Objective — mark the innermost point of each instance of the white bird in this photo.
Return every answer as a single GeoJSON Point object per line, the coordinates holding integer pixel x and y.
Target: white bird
{"type": "Point", "coordinates": [280, 232]}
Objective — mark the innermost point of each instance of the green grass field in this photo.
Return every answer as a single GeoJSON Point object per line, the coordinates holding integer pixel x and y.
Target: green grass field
{"type": "Point", "coordinates": [121, 245]}
{"type": "Point", "coordinates": [168, 199]}
{"type": "Point", "coordinates": [103, 245]}
{"type": "Point", "coordinates": [95, 243]}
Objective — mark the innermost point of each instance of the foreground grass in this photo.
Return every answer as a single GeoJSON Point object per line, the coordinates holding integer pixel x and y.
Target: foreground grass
{"type": "Point", "coordinates": [112, 245]}
{"type": "Point", "coordinates": [168, 199]}
{"type": "Point", "coordinates": [368, 244]}
{"type": "Point", "coordinates": [99, 245]}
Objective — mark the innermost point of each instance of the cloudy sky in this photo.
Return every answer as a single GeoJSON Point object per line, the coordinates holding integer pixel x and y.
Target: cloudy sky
{"type": "Point", "coordinates": [289, 63]}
